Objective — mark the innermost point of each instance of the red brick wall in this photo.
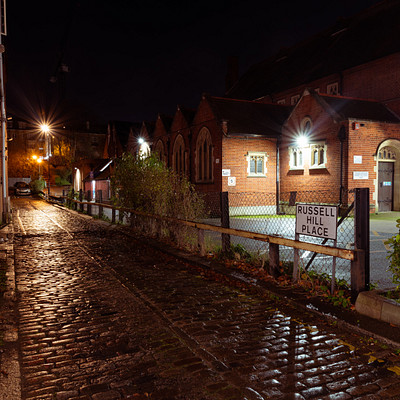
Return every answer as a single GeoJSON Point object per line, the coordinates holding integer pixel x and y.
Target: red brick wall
{"type": "Point", "coordinates": [234, 155]}
{"type": "Point", "coordinates": [205, 118]}
{"type": "Point", "coordinates": [323, 129]}
{"type": "Point", "coordinates": [180, 127]}
{"type": "Point", "coordinates": [378, 80]}
{"type": "Point", "coordinates": [160, 133]}
{"type": "Point", "coordinates": [365, 142]}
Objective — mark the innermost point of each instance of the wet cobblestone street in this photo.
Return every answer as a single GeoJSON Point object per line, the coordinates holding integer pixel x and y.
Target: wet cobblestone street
{"type": "Point", "coordinates": [105, 316]}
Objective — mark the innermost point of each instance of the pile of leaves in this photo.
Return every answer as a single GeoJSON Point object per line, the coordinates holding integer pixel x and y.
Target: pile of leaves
{"type": "Point", "coordinates": [310, 282]}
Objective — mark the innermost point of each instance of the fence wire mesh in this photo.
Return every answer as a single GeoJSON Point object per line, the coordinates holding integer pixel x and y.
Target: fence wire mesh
{"type": "Point", "coordinates": [264, 213]}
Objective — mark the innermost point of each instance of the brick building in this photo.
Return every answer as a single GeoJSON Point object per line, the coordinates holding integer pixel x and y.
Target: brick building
{"type": "Point", "coordinates": [338, 91]}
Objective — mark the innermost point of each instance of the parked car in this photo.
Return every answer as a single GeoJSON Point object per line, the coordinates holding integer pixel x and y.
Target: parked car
{"type": "Point", "coordinates": [22, 189]}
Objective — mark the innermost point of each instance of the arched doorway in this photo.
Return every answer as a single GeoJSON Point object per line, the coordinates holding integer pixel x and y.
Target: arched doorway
{"type": "Point", "coordinates": [388, 182]}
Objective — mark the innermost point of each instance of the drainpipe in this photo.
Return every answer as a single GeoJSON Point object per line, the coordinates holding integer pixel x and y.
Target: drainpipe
{"type": "Point", "coordinates": [342, 138]}
{"type": "Point", "coordinates": [278, 140]}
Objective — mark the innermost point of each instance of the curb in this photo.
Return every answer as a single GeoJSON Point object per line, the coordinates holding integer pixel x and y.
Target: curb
{"type": "Point", "coordinates": [375, 305]}
{"type": "Point", "coordinates": [10, 374]}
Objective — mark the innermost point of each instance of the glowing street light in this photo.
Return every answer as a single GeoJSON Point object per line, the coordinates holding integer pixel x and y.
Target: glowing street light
{"type": "Point", "coordinates": [39, 161]}
{"type": "Point", "coordinates": [302, 141]}
{"type": "Point", "coordinates": [45, 128]}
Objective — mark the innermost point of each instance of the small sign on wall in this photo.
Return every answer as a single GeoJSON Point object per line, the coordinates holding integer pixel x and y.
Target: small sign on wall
{"type": "Point", "coordinates": [226, 172]}
{"type": "Point", "coordinates": [360, 174]}
{"type": "Point", "coordinates": [232, 181]}
{"type": "Point", "coordinates": [357, 159]}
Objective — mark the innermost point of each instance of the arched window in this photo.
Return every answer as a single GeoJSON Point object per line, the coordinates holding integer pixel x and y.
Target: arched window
{"type": "Point", "coordinates": [204, 157]}
{"type": "Point", "coordinates": [318, 155]}
{"type": "Point", "coordinates": [387, 154]}
{"type": "Point", "coordinates": [296, 158]}
{"type": "Point", "coordinates": [179, 156]}
{"type": "Point", "coordinates": [159, 150]}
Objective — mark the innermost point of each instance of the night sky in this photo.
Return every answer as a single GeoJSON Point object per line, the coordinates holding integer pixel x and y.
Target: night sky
{"type": "Point", "coordinates": [129, 60]}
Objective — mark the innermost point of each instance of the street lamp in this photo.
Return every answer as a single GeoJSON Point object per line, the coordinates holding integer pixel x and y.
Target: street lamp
{"type": "Point", "coordinates": [38, 160]}
{"type": "Point", "coordinates": [46, 130]}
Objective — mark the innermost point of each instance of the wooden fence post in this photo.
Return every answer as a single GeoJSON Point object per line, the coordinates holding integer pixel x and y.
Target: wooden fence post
{"type": "Point", "coordinates": [81, 199]}
{"type": "Point", "coordinates": [226, 238]}
{"type": "Point", "coordinates": [274, 260]}
{"type": "Point", "coordinates": [360, 266]}
{"type": "Point", "coordinates": [200, 242]}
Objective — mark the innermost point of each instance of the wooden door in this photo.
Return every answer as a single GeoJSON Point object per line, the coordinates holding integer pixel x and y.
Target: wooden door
{"type": "Point", "coordinates": [385, 186]}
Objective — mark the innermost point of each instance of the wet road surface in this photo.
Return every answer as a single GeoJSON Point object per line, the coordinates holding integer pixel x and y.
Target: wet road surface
{"type": "Point", "coordinates": [104, 316]}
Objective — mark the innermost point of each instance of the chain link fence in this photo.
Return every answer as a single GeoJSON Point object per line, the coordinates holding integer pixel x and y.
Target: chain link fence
{"type": "Point", "coordinates": [267, 214]}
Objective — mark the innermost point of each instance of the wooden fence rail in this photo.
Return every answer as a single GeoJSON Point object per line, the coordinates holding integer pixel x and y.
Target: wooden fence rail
{"type": "Point", "coordinates": [274, 241]}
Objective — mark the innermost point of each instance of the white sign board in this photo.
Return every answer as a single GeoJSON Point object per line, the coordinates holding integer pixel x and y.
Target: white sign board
{"type": "Point", "coordinates": [357, 159]}
{"type": "Point", "coordinates": [231, 181]}
{"type": "Point", "coordinates": [226, 172]}
{"type": "Point", "coordinates": [360, 174]}
{"type": "Point", "coordinates": [316, 220]}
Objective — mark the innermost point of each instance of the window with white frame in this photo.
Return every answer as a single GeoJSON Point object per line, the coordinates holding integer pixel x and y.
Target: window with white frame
{"type": "Point", "coordinates": [296, 157]}
{"type": "Point", "coordinates": [256, 164]}
{"type": "Point", "coordinates": [204, 157]}
{"type": "Point", "coordinates": [333, 88]}
{"type": "Point", "coordinates": [294, 99]}
{"type": "Point", "coordinates": [317, 155]}
{"type": "Point", "coordinates": [178, 156]}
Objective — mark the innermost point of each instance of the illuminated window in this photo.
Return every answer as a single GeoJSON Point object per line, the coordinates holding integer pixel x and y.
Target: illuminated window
{"type": "Point", "coordinates": [256, 164]}
{"type": "Point", "coordinates": [318, 155]}
{"type": "Point", "coordinates": [296, 157]}
{"type": "Point", "coordinates": [282, 101]}
{"type": "Point", "coordinates": [204, 157]}
{"type": "Point", "coordinates": [333, 89]}
{"type": "Point", "coordinates": [179, 156]}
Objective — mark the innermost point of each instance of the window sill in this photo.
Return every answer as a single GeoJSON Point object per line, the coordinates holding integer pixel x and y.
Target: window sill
{"type": "Point", "coordinates": [296, 169]}
{"type": "Point", "coordinates": [256, 176]}
{"type": "Point", "coordinates": [318, 167]}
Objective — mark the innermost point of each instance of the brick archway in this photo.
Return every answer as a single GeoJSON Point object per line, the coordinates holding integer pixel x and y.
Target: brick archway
{"type": "Point", "coordinates": [387, 185]}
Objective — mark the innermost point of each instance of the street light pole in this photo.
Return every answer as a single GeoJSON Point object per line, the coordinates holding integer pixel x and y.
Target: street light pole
{"type": "Point", "coordinates": [48, 164]}
{"type": "Point", "coordinates": [46, 130]}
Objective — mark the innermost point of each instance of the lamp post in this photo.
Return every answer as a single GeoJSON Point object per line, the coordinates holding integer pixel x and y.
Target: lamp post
{"type": "Point", "coordinates": [39, 161]}
{"type": "Point", "coordinates": [46, 130]}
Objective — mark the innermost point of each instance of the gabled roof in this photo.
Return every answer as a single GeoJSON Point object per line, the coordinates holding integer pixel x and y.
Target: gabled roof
{"type": "Point", "coordinates": [249, 117]}
{"type": "Point", "coordinates": [149, 127]}
{"type": "Point", "coordinates": [349, 108]}
{"type": "Point", "coordinates": [166, 120]}
{"type": "Point", "coordinates": [102, 171]}
{"type": "Point", "coordinates": [187, 113]}
{"type": "Point", "coordinates": [364, 37]}
{"type": "Point", "coordinates": [122, 130]}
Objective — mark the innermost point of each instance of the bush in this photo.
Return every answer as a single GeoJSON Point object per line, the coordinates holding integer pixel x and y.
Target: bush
{"type": "Point", "coordinates": [145, 184]}
{"type": "Point", "coordinates": [38, 185]}
{"type": "Point", "coordinates": [394, 256]}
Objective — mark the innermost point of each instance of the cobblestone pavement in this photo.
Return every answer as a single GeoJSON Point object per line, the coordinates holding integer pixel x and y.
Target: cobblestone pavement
{"type": "Point", "coordinates": [103, 316]}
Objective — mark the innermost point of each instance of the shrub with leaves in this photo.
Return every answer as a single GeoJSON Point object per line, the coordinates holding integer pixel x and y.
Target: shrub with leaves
{"type": "Point", "coordinates": [145, 184]}
{"type": "Point", "coordinates": [38, 185]}
{"type": "Point", "coordinates": [394, 256]}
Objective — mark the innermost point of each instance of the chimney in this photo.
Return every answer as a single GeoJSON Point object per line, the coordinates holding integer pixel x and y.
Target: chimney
{"type": "Point", "coordinates": [232, 73]}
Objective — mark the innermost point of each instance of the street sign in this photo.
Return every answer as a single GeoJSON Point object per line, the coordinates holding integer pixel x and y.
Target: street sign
{"type": "Point", "coordinates": [316, 220]}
